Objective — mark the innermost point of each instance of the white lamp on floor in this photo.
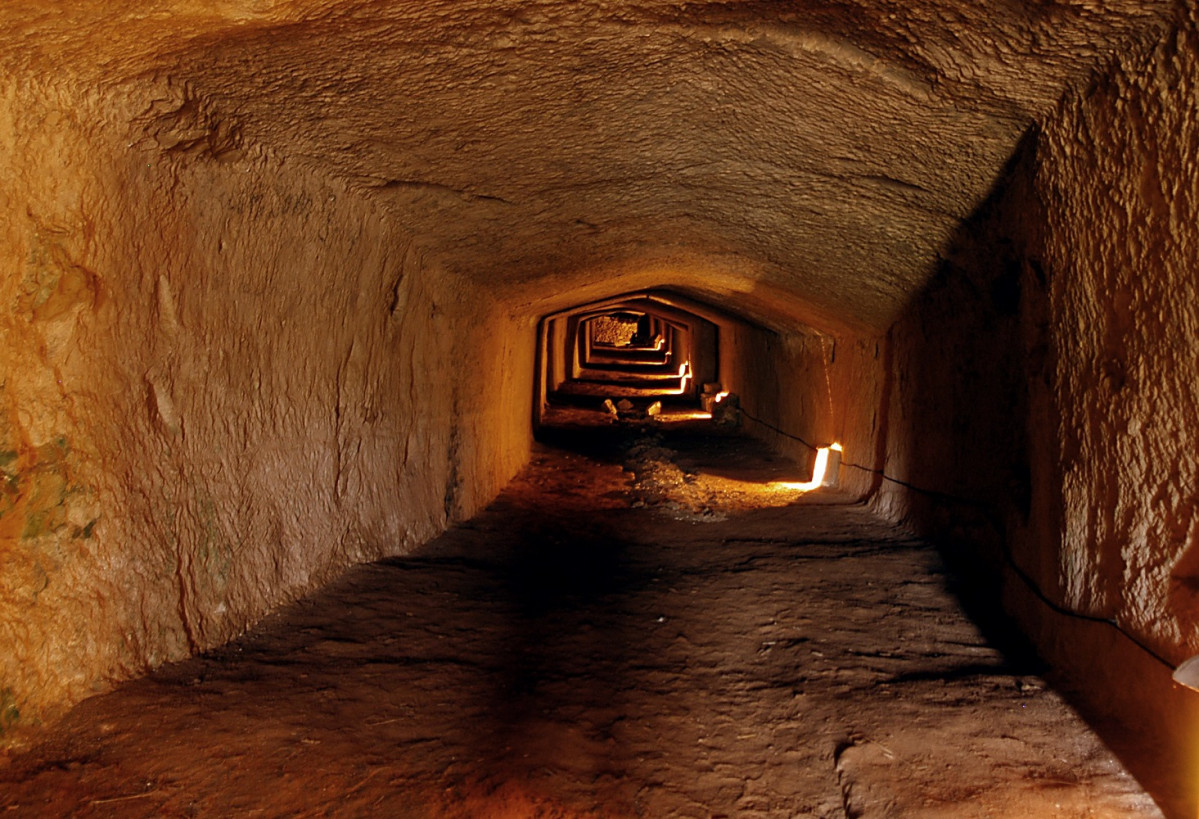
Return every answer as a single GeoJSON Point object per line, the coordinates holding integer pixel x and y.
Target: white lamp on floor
{"type": "Point", "coordinates": [1187, 674]}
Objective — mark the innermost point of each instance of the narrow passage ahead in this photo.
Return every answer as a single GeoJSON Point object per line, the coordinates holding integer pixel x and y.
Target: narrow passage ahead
{"type": "Point", "coordinates": [638, 626]}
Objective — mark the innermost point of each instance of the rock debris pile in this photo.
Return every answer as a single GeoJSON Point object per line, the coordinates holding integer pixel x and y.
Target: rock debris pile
{"type": "Point", "coordinates": [658, 482]}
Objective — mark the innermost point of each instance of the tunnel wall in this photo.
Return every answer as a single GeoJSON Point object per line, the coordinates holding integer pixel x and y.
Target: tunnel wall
{"type": "Point", "coordinates": [804, 389]}
{"type": "Point", "coordinates": [224, 381]}
{"type": "Point", "coordinates": [962, 362]}
{"type": "Point", "coordinates": [1043, 392]}
{"type": "Point", "coordinates": [1123, 248]}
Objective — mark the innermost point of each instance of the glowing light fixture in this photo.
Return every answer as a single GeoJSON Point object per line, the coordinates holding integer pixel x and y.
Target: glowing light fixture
{"type": "Point", "coordinates": [680, 415]}
{"type": "Point", "coordinates": [1187, 674]}
{"type": "Point", "coordinates": [820, 468]}
{"type": "Point", "coordinates": [720, 396]}
{"type": "Point", "coordinates": [685, 376]}
{"type": "Point", "coordinates": [832, 466]}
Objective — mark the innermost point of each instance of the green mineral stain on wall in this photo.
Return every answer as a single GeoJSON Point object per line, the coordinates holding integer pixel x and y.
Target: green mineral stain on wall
{"type": "Point", "coordinates": [54, 283]}
{"type": "Point", "coordinates": [46, 487]}
{"type": "Point", "coordinates": [9, 712]}
{"type": "Point", "coordinates": [37, 490]}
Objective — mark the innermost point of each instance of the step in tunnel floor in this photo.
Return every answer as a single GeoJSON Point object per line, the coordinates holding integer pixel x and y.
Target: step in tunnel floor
{"type": "Point", "coordinates": [637, 626]}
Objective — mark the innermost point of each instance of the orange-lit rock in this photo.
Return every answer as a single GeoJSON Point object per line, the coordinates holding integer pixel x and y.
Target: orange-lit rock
{"type": "Point", "coordinates": [273, 274]}
{"type": "Point", "coordinates": [226, 379]}
{"type": "Point", "coordinates": [1120, 178]}
{"type": "Point", "coordinates": [1043, 386]}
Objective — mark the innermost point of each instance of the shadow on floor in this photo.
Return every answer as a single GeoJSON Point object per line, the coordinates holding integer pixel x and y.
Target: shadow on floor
{"type": "Point", "coordinates": [568, 653]}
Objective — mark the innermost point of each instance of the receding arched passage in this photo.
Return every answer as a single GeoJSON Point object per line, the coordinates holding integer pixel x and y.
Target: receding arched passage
{"type": "Point", "coordinates": [274, 273]}
{"type": "Point", "coordinates": [645, 347]}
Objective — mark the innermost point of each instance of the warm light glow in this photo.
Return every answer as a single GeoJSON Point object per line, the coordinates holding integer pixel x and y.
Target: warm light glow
{"type": "Point", "coordinates": [670, 416]}
{"type": "Point", "coordinates": [720, 396]}
{"type": "Point", "coordinates": [685, 375]}
{"type": "Point", "coordinates": [819, 468]}
{"type": "Point", "coordinates": [1187, 674]}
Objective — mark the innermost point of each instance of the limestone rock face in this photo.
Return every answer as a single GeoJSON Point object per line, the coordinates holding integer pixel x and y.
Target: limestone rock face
{"type": "Point", "coordinates": [1042, 388]}
{"type": "Point", "coordinates": [832, 147]}
{"type": "Point", "coordinates": [226, 379]}
{"type": "Point", "coordinates": [1058, 349]}
{"type": "Point", "coordinates": [272, 273]}
{"type": "Point", "coordinates": [1120, 177]}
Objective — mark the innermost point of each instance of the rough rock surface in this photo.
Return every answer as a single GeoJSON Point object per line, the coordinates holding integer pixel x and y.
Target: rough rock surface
{"type": "Point", "coordinates": [830, 149]}
{"type": "Point", "coordinates": [271, 272]}
{"type": "Point", "coordinates": [1042, 389]}
{"type": "Point", "coordinates": [187, 328]}
{"type": "Point", "coordinates": [566, 654]}
{"type": "Point", "coordinates": [1120, 176]}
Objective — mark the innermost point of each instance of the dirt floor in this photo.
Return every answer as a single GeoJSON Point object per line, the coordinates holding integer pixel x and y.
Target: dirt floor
{"type": "Point", "coordinates": [639, 626]}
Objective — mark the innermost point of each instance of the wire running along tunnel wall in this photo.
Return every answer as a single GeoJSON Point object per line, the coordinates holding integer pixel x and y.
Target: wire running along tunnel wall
{"type": "Point", "coordinates": [232, 371]}
{"type": "Point", "coordinates": [674, 362]}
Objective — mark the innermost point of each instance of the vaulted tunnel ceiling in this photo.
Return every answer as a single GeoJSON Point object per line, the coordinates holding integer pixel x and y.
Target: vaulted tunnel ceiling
{"type": "Point", "coordinates": [826, 150]}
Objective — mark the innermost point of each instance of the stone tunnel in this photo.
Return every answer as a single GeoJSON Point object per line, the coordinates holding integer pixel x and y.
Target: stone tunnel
{"type": "Point", "coordinates": [290, 284]}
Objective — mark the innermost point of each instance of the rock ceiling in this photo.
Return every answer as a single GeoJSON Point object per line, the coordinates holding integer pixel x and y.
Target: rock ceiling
{"type": "Point", "coordinates": [831, 149]}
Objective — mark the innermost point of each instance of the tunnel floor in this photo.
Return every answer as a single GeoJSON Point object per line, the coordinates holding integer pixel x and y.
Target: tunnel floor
{"type": "Point", "coordinates": [636, 627]}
